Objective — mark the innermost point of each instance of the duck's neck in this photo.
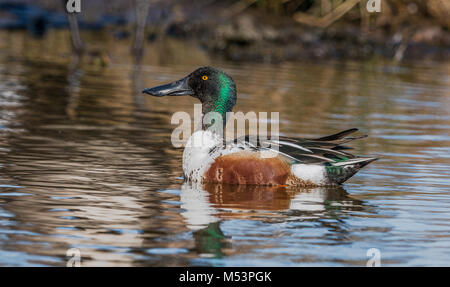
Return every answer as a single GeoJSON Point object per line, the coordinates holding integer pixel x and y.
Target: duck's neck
{"type": "Point", "coordinates": [213, 116]}
{"type": "Point", "coordinates": [220, 103]}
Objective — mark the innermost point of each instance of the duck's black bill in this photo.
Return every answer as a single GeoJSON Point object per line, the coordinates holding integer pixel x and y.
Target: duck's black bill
{"type": "Point", "coordinates": [178, 88]}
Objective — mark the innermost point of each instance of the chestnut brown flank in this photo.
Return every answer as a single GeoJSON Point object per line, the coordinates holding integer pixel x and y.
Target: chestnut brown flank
{"type": "Point", "coordinates": [248, 168]}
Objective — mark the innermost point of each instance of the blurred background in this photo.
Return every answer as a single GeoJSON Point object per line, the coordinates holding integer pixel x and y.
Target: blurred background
{"type": "Point", "coordinates": [86, 159]}
{"type": "Point", "coordinates": [250, 30]}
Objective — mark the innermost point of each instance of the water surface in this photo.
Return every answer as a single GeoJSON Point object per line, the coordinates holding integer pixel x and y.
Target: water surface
{"type": "Point", "coordinates": [86, 162]}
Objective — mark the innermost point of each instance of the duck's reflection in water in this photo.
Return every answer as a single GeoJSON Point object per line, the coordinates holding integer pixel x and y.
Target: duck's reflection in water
{"type": "Point", "coordinates": [207, 203]}
{"type": "Point", "coordinates": [207, 206]}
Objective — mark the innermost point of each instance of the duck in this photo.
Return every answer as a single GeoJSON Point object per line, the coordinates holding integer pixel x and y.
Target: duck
{"type": "Point", "coordinates": [209, 158]}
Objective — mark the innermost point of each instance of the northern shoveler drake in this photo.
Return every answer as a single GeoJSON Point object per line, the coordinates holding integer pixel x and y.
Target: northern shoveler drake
{"type": "Point", "coordinates": [304, 162]}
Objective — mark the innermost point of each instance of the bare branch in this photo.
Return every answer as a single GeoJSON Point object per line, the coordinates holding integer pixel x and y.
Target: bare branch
{"type": "Point", "coordinates": [328, 19]}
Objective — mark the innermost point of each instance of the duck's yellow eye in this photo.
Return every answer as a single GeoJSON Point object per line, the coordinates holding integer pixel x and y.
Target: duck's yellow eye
{"type": "Point", "coordinates": [205, 78]}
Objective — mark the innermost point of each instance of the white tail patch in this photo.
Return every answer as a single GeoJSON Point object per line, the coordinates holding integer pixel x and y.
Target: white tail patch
{"type": "Point", "coordinates": [316, 174]}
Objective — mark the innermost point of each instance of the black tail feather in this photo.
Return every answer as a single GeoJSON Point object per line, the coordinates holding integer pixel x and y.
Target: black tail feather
{"type": "Point", "coordinates": [337, 136]}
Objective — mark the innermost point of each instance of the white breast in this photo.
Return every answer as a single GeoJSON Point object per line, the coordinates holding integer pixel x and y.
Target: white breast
{"type": "Point", "coordinates": [202, 148]}
{"type": "Point", "coordinates": [199, 154]}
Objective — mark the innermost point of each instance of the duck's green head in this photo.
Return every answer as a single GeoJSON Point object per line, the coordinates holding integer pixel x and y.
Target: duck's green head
{"type": "Point", "coordinates": [214, 88]}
